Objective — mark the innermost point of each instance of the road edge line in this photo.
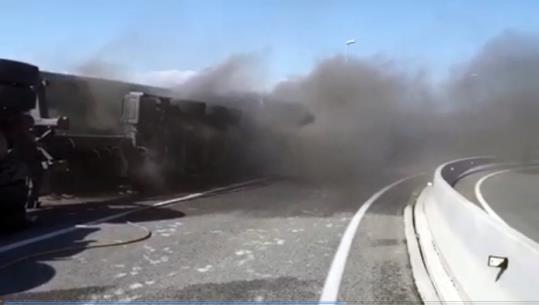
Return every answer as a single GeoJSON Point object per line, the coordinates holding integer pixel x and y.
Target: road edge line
{"type": "Point", "coordinates": [332, 283]}
{"type": "Point", "coordinates": [516, 234]}
{"type": "Point", "coordinates": [481, 198]}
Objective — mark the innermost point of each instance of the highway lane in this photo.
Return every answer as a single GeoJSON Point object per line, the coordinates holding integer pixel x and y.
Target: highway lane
{"type": "Point", "coordinates": [271, 242]}
{"type": "Point", "coordinates": [513, 196]}
{"type": "Point", "coordinates": [379, 268]}
{"type": "Point", "coordinates": [466, 185]}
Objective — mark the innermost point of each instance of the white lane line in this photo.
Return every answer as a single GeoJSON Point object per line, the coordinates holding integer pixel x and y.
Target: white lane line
{"type": "Point", "coordinates": [334, 277]}
{"type": "Point", "coordinates": [512, 231]}
{"type": "Point", "coordinates": [481, 198]}
{"type": "Point", "coordinates": [63, 231]}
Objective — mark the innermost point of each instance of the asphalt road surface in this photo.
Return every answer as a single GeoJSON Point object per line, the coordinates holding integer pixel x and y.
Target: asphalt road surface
{"type": "Point", "coordinates": [466, 185]}
{"type": "Point", "coordinates": [512, 195]}
{"type": "Point", "coordinates": [269, 241]}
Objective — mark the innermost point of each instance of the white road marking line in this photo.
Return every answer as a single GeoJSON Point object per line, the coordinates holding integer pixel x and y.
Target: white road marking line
{"type": "Point", "coordinates": [482, 199]}
{"type": "Point", "coordinates": [512, 231]}
{"type": "Point", "coordinates": [334, 277]}
{"type": "Point", "coordinates": [63, 231]}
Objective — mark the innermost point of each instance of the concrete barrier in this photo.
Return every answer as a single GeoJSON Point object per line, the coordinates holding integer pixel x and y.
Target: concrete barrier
{"type": "Point", "coordinates": [457, 238]}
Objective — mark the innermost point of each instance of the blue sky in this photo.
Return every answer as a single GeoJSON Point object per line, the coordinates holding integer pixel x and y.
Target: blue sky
{"type": "Point", "coordinates": [144, 36]}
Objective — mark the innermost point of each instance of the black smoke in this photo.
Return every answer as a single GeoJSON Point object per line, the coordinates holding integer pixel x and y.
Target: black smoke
{"type": "Point", "coordinates": [372, 113]}
{"type": "Point", "coordinates": [495, 97]}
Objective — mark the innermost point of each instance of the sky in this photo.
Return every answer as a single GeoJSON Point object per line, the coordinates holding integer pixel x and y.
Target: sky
{"type": "Point", "coordinates": [143, 39]}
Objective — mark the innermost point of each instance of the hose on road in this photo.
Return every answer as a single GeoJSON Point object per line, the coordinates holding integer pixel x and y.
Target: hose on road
{"type": "Point", "coordinates": [147, 234]}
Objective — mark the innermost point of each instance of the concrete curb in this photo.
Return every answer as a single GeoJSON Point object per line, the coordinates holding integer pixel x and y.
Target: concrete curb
{"type": "Point", "coordinates": [430, 275]}
{"type": "Point", "coordinates": [422, 279]}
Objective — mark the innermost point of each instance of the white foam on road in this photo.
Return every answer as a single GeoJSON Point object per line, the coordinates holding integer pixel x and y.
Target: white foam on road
{"type": "Point", "coordinates": [330, 291]}
{"type": "Point", "coordinates": [135, 286]}
{"type": "Point", "coordinates": [150, 260]}
{"type": "Point", "coordinates": [149, 248]}
{"type": "Point", "coordinates": [242, 252]}
{"type": "Point", "coordinates": [279, 241]}
{"type": "Point", "coordinates": [205, 269]}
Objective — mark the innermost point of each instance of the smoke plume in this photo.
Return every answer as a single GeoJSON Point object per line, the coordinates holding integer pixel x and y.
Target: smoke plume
{"type": "Point", "coordinates": [367, 113]}
{"type": "Point", "coordinates": [237, 75]}
{"type": "Point", "coordinates": [495, 94]}
{"type": "Point", "coordinates": [372, 114]}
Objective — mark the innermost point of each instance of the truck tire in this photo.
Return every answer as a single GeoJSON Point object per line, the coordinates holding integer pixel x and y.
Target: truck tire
{"type": "Point", "coordinates": [4, 149]}
{"type": "Point", "coordinates": [14, 193]}
{"type": "Point", "coordinates": [13, 208]}
{"type": "Point", "coordinates": [17, 99]}
{"type": "Point", "coordinates": [19, 73]}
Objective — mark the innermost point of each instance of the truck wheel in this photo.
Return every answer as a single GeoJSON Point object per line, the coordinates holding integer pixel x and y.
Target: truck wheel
{"type": "Point", "coordinates": [13, 208]}
{"type": "Point", "coordinates": [14, 193]}
{"type": "Point", "coordinates": [15, 72]}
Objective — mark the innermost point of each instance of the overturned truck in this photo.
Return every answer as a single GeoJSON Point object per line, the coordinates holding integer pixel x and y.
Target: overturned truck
{"type": "Point", "coordinates": [62, 132]}
{"type": "Point", "coordinates": [151, 141]}
{"type": "Point", "coordinates": [160, 142]}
